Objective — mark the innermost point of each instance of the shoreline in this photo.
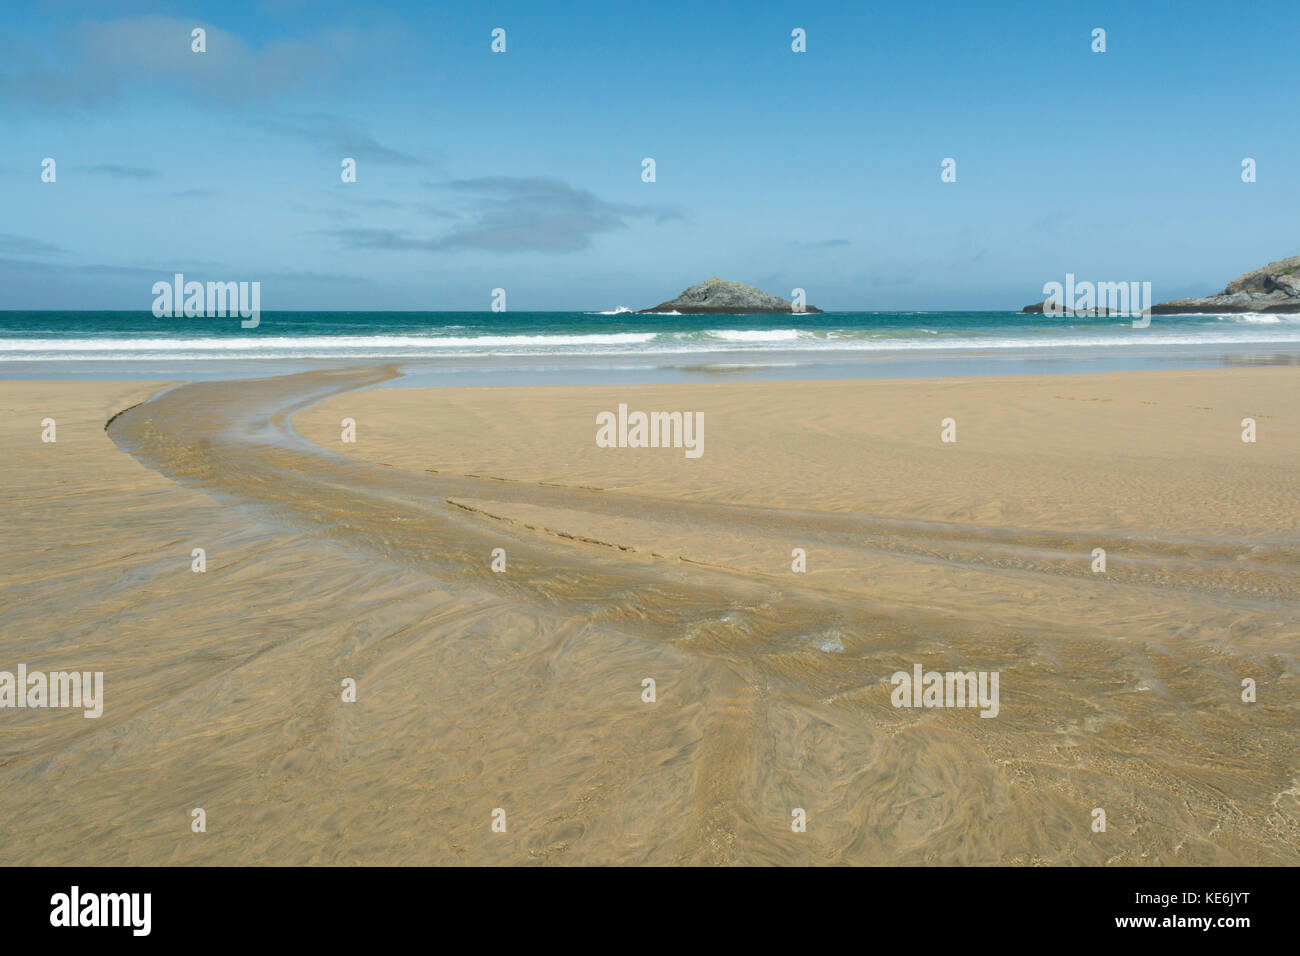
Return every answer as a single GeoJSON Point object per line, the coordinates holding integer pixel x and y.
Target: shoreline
{"type": "Point", "coordinates": [634, 369]}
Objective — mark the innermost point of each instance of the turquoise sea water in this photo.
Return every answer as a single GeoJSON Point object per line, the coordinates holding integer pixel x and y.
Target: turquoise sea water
{"type": "Point", "coordinates": [486, 347]}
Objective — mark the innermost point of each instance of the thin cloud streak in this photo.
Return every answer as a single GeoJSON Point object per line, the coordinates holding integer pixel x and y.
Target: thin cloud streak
{"type": "Point", "coordinates": [515, 214]}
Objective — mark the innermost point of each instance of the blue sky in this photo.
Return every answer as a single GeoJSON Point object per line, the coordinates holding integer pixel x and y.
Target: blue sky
{"type": "Point", "coordinates": [522, 170]}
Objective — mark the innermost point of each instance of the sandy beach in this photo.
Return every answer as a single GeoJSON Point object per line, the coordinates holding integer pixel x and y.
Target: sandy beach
{"type": "Point", "coordinates": [522, 689]}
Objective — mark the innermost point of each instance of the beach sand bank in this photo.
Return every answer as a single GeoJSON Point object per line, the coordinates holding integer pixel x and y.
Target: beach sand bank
{"type": "Point", "coordinates": [522, 690]}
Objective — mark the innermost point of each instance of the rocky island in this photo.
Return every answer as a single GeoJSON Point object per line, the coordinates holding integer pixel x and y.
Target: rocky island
{"type": "Point", "coordinates": [716, 297]}
{"type": "Point", "coordinates": [1271, 288]}
{"type": "Point", "coordinates": [1095, 312]}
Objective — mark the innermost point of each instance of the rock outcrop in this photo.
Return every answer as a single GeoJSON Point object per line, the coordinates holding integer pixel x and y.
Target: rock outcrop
{"type": "Point", "coordinates": [716, 297]}
{"type": "Point", "coordinates": [1272, 288]}
{"type": "Point", "coordinates": [1040, 307]}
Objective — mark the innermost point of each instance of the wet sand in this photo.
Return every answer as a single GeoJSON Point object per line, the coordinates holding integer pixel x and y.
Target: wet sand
{"type": "Point", "coordinates": [522, 690]}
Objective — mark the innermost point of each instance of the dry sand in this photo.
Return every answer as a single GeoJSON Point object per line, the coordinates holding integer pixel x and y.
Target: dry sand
{"type": "Point", "coordinates": [522, 690]}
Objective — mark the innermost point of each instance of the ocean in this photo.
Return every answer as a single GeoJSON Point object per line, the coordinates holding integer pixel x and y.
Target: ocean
{"type": "Point", "coordinates": [527, 347]}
